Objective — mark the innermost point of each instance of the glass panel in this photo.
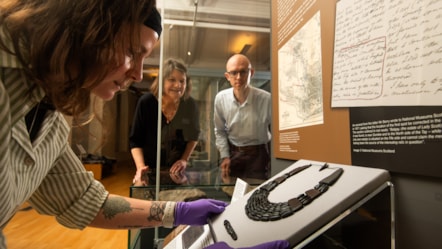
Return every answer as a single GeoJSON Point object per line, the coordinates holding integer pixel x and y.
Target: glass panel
{"type": "Point", "coordinates": [149, 238]}
{"type": "Point", "coordinates": [204, 34]}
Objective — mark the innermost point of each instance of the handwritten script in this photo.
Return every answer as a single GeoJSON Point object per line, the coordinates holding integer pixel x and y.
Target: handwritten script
{"type": "Point", "coordinates": [387, 53]}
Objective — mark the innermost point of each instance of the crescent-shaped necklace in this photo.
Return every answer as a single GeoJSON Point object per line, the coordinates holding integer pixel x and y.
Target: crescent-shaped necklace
{"type": "Point", "coordinates": [259, 208]}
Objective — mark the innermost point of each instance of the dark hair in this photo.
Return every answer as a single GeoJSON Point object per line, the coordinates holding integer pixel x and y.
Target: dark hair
{"type": "Point", "coordinates": [168, 67]}
{"type": "Point", "coordinates": [68, 47]}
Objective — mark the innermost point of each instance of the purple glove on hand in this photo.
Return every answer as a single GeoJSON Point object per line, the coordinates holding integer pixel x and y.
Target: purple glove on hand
{"type": "Point", "coordinates": [197, 212]}
{"type": "Point", "coordinates": [277, 244]}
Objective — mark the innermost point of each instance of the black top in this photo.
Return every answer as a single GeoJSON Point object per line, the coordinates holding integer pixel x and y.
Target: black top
{"type": "Point", "coordinates": [36, 115]}
{"type": "Point", "coordinates": [183, 128]}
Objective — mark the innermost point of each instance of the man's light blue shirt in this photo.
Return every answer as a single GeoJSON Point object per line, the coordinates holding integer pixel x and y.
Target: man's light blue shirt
{"type": "Point", "coordinates": [242, 124]}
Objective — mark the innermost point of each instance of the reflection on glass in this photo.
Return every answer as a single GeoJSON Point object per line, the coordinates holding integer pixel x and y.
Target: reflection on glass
{"type": "Point", "coordinates": [204, 34]}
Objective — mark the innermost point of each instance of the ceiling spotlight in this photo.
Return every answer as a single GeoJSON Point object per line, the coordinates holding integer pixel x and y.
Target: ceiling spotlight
{"type": "Point", "coordinates": [189, 53]}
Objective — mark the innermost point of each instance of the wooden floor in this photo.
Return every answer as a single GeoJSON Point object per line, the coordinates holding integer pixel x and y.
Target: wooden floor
{"type": "Point", "coordinates": [28, 229]}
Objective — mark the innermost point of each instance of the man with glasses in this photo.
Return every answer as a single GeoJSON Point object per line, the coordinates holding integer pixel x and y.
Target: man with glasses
{"type": "Point", "coordinates": [242, 119]}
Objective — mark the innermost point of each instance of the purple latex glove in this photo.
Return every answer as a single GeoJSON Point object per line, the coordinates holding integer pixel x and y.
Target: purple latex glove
{"type": "Point", "coordinates": [277, 244]}
{"type": "Point", "coordinates": [197, 212]}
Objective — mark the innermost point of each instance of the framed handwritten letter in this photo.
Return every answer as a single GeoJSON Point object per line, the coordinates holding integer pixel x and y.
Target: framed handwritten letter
{"type": "Point", "coordinates": [387, 53]}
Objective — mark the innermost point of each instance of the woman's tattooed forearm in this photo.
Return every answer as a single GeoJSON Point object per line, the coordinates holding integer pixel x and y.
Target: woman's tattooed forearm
{"type": "Point", "coordinates": [114, 206]}
{"type": "Point", "coordinates": [156, 211]}
{"type": "Point", "coordinates": [119, 205]}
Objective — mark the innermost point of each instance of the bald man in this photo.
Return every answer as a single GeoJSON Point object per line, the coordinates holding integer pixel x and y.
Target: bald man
{"type": "Point", "coordinates": [242, 119]}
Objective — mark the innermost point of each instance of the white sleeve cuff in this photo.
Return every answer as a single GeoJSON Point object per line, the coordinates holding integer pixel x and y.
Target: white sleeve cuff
{"type": "Point", "coordinates": [169, 214]}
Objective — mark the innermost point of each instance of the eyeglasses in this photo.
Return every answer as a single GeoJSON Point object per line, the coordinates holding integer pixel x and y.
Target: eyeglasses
{"type": "Point", "coordinates": [241, 73]}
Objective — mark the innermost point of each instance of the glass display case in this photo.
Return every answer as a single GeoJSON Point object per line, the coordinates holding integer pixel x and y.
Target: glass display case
{"type": "Point", "coordinates": [204, 36]}
{"type": "Point", "coordinates": [200, 184]}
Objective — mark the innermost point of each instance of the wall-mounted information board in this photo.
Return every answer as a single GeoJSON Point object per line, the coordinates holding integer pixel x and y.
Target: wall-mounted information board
{"type": "Point", "coordinates": [305, 125]}
{"type": "Point", "coordinates": [359, 82]}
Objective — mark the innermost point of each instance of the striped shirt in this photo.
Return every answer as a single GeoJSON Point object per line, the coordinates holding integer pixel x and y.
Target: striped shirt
{"type": "Point", "coordinates": [45, 172]}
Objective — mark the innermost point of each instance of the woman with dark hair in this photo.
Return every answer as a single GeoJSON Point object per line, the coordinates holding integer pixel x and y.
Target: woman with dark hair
{"type": "Point", "coordinates": [179, 127]}
{"type": "Point", "coordinates": [53, 55]}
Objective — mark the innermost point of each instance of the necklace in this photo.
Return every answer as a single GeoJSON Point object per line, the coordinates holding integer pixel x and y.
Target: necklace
{"type": "Point", "coordinates": [170, 110]}
{"type": "Point", "coordinates": [259, 208]}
